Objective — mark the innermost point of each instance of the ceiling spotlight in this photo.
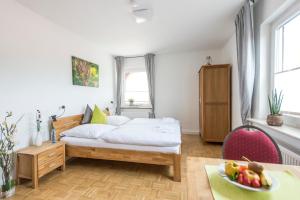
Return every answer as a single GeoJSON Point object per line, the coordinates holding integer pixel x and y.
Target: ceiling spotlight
{"type": "Point", "coordinates": [140, 20]}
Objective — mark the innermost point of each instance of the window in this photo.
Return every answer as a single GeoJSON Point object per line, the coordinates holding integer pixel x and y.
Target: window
{"type": "Point", "coordinates": [287, 63]}
{"type": "Point", "coordinates": [135, 91]}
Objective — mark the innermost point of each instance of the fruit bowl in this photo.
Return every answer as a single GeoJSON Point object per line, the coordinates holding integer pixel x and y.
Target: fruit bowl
{"type": "Point", "coordinates": [274, 186]}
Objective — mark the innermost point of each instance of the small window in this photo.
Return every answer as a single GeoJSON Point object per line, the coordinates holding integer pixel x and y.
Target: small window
{"type": "Point", "coordinates": [135, 90]}
{"type": "Point", "coordinates": [287, 64]}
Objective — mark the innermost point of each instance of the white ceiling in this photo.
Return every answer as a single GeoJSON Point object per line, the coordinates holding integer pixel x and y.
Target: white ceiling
{"type": "Point", "coordinates": [176, 25]}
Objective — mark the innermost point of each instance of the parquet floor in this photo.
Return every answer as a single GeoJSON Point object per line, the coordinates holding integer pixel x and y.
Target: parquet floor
{"type": "Point", "coordinates": [86, 179]}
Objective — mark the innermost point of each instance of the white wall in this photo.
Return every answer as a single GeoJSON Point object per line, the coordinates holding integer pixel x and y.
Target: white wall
{"type": "Point", "coordinates": [230, 56]}
{"type": "Point", "coordinates": [177, 86]}
{"type": "Point", "coordinates": [35, 69]}
{"type": "Point", "coordinates": [264, 10]}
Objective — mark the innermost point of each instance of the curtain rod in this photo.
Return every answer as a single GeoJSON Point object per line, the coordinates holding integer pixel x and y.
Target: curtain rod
{"type": "Point", "coordinates": [133, 56]}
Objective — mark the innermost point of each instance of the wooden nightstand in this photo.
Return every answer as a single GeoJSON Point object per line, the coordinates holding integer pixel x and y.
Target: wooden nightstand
{"type": "Point", "coordinates": [34, 162]}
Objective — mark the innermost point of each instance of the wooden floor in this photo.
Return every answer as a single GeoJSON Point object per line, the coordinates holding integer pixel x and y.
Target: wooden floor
{"type": "Point", "coordinates": [86, 179]}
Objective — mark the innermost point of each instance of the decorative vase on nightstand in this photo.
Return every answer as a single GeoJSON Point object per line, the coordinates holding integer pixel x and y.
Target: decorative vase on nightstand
{"type": "Point", "coordinates": [38, 141]}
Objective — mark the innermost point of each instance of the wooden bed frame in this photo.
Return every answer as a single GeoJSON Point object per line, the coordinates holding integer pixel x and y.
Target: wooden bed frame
{"type": "Point", "coordinates": [170, 159]}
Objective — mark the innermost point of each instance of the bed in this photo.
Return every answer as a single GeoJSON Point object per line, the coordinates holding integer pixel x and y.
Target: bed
{"type": "Point", "coordinates": [169, 155]}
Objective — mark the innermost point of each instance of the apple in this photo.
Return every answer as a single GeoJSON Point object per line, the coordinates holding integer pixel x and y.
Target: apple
{"type": "Point", "coordinates": [246, 181]}
{"type": "Point", "coordinates": [255, 183]}
{"type": "Point", "coordinates": [240, 178]}
{"type": "Point", "coordinates": [249, 176]}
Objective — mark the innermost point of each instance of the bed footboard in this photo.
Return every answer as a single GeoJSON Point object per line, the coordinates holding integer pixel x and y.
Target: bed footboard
{"type": "Point", "coordinates": [155, 158]}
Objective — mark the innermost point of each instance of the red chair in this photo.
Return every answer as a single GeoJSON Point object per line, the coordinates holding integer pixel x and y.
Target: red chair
{"type": "Point", "coordinates": [253, 143]}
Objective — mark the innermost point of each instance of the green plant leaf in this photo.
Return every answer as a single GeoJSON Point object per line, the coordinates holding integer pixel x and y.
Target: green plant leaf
{"type": "Point", "coordinates": [275, 102]}
{"type": "Point", "coordinates": [270, 105]}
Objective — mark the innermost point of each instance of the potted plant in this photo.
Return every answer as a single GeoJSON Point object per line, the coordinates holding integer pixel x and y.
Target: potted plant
{"type": "Point", "coordinates": [7, 156]}
{"type": "Point", "coordinates": [131, 102]}
{"type": "Point", "coordinates": [275, 101]}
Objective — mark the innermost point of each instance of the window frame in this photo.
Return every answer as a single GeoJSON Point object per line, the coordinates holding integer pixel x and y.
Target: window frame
{"type": "Point", "coordinates": [276, 29]}
{"type": "Point", "coordinates": [289, 15]}
{"type": "Point", "coordinates": [123, 102]}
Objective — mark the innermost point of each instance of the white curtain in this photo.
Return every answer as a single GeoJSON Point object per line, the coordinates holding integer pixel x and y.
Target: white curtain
{"type": "Point", "coordinates": [150, 69]}
{"type": "Point", "coordinates": [246, 58]}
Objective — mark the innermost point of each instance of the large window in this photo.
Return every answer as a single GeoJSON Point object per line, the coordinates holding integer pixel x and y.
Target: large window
{"type": "Point", "coordinates": [287, 63]}
{"type": "Point", "coordinates": [135, 91]}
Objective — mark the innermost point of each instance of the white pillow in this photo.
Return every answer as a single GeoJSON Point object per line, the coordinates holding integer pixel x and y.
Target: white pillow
{"type": "Point", "coordinates": [91, 131]}
{"type": "Point", "coordinates": [117, 120]}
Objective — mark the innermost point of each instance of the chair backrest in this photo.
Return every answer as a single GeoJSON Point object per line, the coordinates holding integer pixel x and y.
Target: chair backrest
{"type": "Point", "coordinates": [253, 143]}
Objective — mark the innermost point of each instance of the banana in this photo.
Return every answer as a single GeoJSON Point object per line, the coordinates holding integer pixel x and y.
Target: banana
{"type": "Point", "coordinates": [265, 179]}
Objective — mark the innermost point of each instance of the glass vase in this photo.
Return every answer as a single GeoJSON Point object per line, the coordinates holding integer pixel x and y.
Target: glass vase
{"type": "Point", "coordinates": [8, 186]}
{"type": "Point", "coordinates": [38, 139]}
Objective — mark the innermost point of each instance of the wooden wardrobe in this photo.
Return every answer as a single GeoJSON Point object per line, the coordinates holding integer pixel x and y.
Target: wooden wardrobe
{"type": "Point", "coordinates": [215, 102]}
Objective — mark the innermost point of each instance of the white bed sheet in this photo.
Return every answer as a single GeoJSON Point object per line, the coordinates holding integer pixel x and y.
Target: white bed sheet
{"type": "Point", "coordinates": [85, 142]}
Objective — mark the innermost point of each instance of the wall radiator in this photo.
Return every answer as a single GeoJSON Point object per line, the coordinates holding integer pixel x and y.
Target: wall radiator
{"type": "Point", "coordinates": [289, 157]}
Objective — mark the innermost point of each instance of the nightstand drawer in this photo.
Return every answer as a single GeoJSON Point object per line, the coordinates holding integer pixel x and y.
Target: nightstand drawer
{"type": "Point", "coordinates": [50, 166]}
{"type": "Point", "coordinates": [50, 155]}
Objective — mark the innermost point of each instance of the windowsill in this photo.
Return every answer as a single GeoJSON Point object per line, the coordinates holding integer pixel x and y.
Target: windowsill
{"type": "Point", "coordinates": [136, 107]}
{"type": "Point", "coordinates": [284, 129]}
{"type": "Point", "coordinates": [291, 115]}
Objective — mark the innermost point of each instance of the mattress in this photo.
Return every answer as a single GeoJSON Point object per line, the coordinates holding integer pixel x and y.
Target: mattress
{"type": "Point", "coordinates": [85, 142]}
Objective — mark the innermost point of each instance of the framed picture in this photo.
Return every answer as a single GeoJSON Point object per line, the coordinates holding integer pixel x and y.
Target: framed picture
{"type": "Point", "coordinates": [84, 73]}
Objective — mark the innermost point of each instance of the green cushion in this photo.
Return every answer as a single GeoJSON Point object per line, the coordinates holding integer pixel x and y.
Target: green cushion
{"type": "Point", "coordinates": [99, 117]}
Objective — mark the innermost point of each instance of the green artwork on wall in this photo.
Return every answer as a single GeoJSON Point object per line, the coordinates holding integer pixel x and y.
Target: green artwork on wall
{"type": "Point", "coordinates": [85, 73]}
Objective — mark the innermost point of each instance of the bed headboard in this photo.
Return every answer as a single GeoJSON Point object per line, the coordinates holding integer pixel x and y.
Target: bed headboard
{"type": "Point", "coordinates": [65, 123]}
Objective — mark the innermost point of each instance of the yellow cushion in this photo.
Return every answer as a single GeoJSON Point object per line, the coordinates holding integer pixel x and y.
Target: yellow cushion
{"type": "Point", "coordinates": [99, 117]}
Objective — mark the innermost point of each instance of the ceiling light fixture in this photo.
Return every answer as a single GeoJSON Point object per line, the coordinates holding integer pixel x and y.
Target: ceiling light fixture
{"type": "Point", "coordinates": [142, 15]}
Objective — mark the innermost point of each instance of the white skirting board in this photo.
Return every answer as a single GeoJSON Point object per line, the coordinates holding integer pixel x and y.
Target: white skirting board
{"type": "Point", "coordinates": [190, 132]}
{"type": "Point", "coordinates": [289, 157]}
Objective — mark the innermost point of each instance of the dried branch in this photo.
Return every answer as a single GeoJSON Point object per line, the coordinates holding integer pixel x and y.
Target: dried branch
{"type": "Point", "coordinates": [7, 144]}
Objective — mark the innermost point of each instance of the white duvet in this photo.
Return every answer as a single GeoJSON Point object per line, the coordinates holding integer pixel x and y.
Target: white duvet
{"type": "Point", "coordinates": [163, 132]}
{"type": "Point", "coordinates": [157, 121]}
